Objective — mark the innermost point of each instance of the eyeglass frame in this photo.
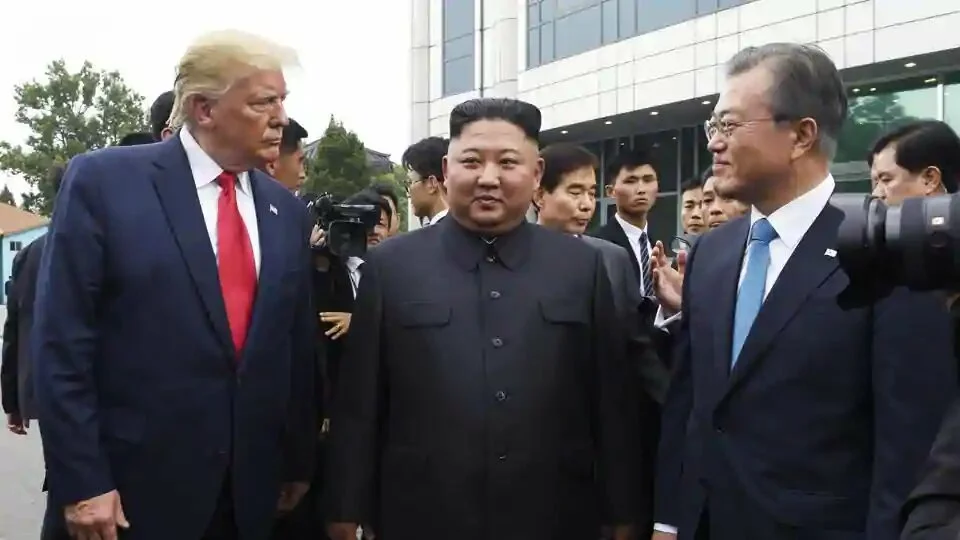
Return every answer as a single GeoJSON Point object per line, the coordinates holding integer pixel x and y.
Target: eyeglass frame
{"type": "Point", "coordinates": [712, 126]}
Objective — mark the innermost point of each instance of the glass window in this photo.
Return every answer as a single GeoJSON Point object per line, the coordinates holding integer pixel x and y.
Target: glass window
{"type": "Point", "coordinates": [688, 154]}
{"type": "Point", "coordinates": [951, 101]}
{"type": "Point", "coordinates": [533, 15]}
{"type": "Point", "coordinates": [704, 155]}
{"type": "Point", "coordinates": [663, 150]}
{"type": "Point", "coordinates": [569, 6]}
{"type": "Point", "coordinates": [578, 32]}
{"type": "Point", "coordinates": [610, 24]}
{"type": "Point", "coordinates": [655, 14]}
{"type": "Point", "coordinates": [706, 6]}
{"type": "Point", "coordinates": [547, 51]}
{"type": "Point", "coordinates": [533, 47]}
{"type": "Point", "coordinates": [724, 4]}
{"type": "Point", "coordinates": [662, 222]}
{"type": "Point", "coordinates": [458, 18]}
{"type": "Point", "coordinates": [628, 18]}
{"type": "Point", "coordinates": [458, 48]}
{"type": "Point", "coordinates": [458, 76]}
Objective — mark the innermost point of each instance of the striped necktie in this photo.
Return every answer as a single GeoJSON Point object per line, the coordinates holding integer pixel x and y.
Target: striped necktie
{"type": "Point", "coordinates": [645, 265]}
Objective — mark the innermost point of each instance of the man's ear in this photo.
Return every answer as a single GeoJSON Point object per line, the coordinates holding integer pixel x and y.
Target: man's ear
{"type": "Point", "coordinates": [271, 167]}
{"type": "Point", "coordinates": [538, 196]}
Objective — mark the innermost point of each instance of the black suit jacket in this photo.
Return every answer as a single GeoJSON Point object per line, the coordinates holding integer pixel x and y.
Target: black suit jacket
{"type": "Point", "coordinates": [933, 510]}
{"type": "Point", "coordinates": [16, 371]}
{"type": "Point", "coordinates": [820, 429]}
{"type": "Point", "coordinates": [490, 397]}
{"type": "Point", "coordinates": [613, 232]}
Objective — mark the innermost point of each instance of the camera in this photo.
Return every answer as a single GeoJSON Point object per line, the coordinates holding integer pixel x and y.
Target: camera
{"type": "Point", "coordinates": [915, 245]}
{"type": "Point", "coordinates": [345, 225]}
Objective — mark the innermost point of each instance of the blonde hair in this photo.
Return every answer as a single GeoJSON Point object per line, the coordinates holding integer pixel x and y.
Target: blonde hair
{"type": "Point", "coordinates": [216, 61]}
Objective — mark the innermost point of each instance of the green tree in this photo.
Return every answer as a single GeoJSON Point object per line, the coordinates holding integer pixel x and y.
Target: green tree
{"type": "Point", "coordinates": [6, 196]}
{"type": "Point", "coordinates": [339, 164]}
{"type": "Point", "coordinates": [398, 179]}
{"type": "Point", "coordinates": [67, 113]}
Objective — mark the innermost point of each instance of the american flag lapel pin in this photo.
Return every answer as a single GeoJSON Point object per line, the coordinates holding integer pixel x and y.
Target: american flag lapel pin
{"type": "Point", "coordinates": [273, 209]}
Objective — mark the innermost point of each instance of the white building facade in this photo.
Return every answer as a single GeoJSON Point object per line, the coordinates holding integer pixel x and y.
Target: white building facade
{"type": "Point", "coordinates": [615, 74]}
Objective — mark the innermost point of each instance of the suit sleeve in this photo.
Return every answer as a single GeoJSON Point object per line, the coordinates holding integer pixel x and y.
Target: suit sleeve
{"type": "Point", "coordinates": [914, 382]}
{"type": "Point", "coordinates": [65, 338]}
{"type": "Point", "coordinates": [677, 408]}
{"type": "Point", "coordinates": [616, 424]}
{"type": "Point", "coordinates": [9, 367]}
{"type": "Point", "coordinates": [303, 424]}
{"type": "Point", "coordinates": [352, 456]}
{"type": "Point", "coordinates": [933, 509]}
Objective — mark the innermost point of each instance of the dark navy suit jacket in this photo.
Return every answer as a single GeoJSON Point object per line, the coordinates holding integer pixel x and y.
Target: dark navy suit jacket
{"type": "Point", "coordinates": [138, 384]}
{"type": "Point", "coordinates": [821, 428]}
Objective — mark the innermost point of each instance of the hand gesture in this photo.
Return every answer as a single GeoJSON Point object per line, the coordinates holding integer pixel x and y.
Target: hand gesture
{"type": "Point", "coordinates": [340, 322]}
{"type": "Point", "coordinates": [17, 424]}
{"type": "Point", "coordinates": [317, 236]}
{"type": "Point", "coordinates": [96, 518]}
{"type": "Point", "coordinates": [668, 281]}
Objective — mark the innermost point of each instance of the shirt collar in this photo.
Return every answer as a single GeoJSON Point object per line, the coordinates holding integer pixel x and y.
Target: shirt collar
{"type": "Point", "coordinates": [631, 230]}
{"type": "Point", "coordinates": [204, 169]}
{"type": "Point", "coordinates": [353, 263]}
{"type": "Point", "coordinates": [469, 248]}
{"type": "Point", "coordinates": [439, 215]}
{"type": "Point", "coordinates": [792, 220]}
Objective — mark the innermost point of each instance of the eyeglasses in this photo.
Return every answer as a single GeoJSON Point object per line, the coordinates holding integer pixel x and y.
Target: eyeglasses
{"type": "Point", "coordinates": [726, 128]}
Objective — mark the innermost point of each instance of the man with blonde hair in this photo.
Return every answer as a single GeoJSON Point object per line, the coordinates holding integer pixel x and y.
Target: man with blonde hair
{"type": "Point", "coordinates": [174, 358]}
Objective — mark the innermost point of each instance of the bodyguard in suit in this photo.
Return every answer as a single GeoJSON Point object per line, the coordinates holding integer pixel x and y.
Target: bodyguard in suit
{"type": "Point", "coordinates": [490, 394]}
{"type": "Point", "coordinates": [790, 415]}
{"type": "Point", "coordinates": [174, 333]}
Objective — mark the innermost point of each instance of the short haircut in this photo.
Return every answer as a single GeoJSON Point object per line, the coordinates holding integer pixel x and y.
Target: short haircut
{"type": "Point", "coordinates": [293, 133]}
{"type": "Point", "coordinates": [630, 159]}
{"type": "Point", "coordinates": [138, 138]}
{"type": "Point", "coordinates": [425, 157]}
{"type": "Point", "coordinates": [691, 184]}
{"type": "Point", "coordinates": [216, 60]}
{"type": "Point", "coordinates": [806, 84]}
{"type": "Point", "coordinates": [384, 189]}
{"type": "Point", "coordinates": [371, 197]}
{"type": "Point", "coordinates": [561, 159]}
{"type": "Point", "coordinates": [705, 175]}
{"type": "Point", "coordinates": [160, 113]}
{"type": "Point", "coordinates": [922, 144]}
{"type": "Point", "coordinates": [519, 113]}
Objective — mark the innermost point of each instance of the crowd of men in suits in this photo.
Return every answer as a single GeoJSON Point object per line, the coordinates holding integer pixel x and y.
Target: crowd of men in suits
{"type": "Point", "coordinates": [202, 369]}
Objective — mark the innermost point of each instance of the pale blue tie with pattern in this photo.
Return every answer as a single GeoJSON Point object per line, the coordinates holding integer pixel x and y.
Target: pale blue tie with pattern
{"type": "Point", "coordinates": [750, 295]}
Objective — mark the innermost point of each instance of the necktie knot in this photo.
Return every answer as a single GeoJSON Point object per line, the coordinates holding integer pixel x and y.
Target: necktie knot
{"type": "Point", "coordinates": [227, 180]}
{"type": "Point", "coordinates": [762, 231]}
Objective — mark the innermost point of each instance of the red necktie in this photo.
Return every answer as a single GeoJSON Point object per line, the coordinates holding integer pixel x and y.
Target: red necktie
{"type": "Point", "coordinates": [238, 272]}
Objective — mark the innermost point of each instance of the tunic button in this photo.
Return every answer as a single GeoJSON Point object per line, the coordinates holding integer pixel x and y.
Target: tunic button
{"type": "Point", "coordinates": [502, 457]}
{"type": "Point", "coordinates": [494, 294]}
{"type": "Point", "coordinates": [501, 395]}
{"type": "Point", "coordinates": [497, 342]}
{"type": "Point", "coordinates": [491, 259]}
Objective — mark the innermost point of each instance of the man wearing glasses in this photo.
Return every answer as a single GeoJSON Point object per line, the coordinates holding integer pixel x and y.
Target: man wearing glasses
{"type": "Point", "coordinates": [423, 161]}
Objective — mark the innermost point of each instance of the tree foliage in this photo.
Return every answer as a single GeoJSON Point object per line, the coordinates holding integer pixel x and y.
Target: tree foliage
{"type": "Point", "coordinates": [6, 196]}
{"type": "Point", "coordinates": [67, 113]}
{"type": "Point", "coordinates": [339, 165]}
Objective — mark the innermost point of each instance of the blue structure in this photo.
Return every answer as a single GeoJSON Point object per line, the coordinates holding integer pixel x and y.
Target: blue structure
{"type": "Point", "coordinates": [18, 228]}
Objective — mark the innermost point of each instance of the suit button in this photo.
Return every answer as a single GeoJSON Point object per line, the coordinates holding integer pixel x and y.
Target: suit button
{"type": "Point", "coordinates": [491, 259]}
{"type": "Point", "coordinates": [497, 342]}
{"type": "Point", "coordinates": [502, 457]}
{"type": "Point", "coordinates": [501, 395]}
{"type": "Point", "coordinates": [494, 294]}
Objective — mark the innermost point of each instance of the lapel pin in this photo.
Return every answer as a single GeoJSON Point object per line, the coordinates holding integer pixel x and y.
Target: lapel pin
{"type": "Point", "coordinates": [830, 253]}
{"type": "Point", "coordinates": [273, 209]}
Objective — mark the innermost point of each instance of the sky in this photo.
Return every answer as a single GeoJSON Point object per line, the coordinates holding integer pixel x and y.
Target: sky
{"type": "Point", "coordinates": [354, 55]}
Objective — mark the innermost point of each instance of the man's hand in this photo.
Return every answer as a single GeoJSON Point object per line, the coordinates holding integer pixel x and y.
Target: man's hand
{"type": "Point", "coordinates": [317, 236]}
{"type": "Point", "coordinates": [17, 425]}
{"type": "Point", "coordinates": [340, 322]}
{"type": "Point", "coordinates": [96, 518]}
{"type": "Point", "coordinates": [667, 281]}
{"type": "Point", "coordinates": [342, 531]}
{"type": "Point", "coordinates": [290, 495]}
{"type": "Point", "coordinates": [657, 535]}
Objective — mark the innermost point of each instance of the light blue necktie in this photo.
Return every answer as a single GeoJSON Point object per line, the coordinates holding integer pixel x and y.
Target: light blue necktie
{"type": "Point", "coordinates": [750, 295]}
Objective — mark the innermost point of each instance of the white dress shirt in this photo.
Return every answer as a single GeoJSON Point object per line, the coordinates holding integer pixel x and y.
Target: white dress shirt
{"type": "Point", "coordinates": [791, 221]}
{"type": "Point", "coordinates": [633, 235]}
{"type": "Point", "coordinates": [205, 172]}
{"type": "Point", "coordinates": [440, 215]}
{"type": "Point", "coordinates": [353, 272]}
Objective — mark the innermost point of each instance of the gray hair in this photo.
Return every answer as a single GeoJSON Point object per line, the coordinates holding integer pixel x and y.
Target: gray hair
{"type": "Point", "coordinates": [806, 84]}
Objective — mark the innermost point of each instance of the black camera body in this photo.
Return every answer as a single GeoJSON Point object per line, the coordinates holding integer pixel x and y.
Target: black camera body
{"type": "Point", "coordinates": [345, 225]}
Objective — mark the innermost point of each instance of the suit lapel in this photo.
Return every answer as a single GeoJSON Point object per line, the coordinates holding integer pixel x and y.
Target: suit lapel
{"type": "Point", "coordinates": [270, 232]}
{"type": "Point", "coordinates": [807, 268]}
{"type": "Point", "coordinates": [177, 192]}
{"type": "Point", "coordinates": [616, 235]}
{"type": "Point", "coordinates": [727, 278]}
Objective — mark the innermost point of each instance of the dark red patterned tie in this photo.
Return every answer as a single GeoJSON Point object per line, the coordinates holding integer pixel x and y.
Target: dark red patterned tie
{"type": "Point", "coordinates": [238, 272]}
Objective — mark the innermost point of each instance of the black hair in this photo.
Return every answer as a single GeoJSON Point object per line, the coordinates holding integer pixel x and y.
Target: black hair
{"type": "Point", "coordinates": [134, 139]}
{"type": "Point", "coordinates": [561, 159]}
{"type": "Point", "coordinates": [922, 144]}
{"type": "Point", "coordinates": [160, 113]}
{"type": "Point", "coordinates": [371, 197]}
{"type": "Point", "coordinates": [425, 157]}
{"type": "Point", "coordinates": [519, 113]}
{"type": "Point", "coordinates": [293, 133]}
{"type": "Point", "coordinates": [691, 184]}
{"type": "Point", "coordinates": [625, 160]}
{"type": "Point", "coordinates": [384, 189]}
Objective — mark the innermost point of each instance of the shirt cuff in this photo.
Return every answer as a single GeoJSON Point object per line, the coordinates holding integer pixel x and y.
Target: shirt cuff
{"type": "Point", "coordinates": [660, 322]}
{"type": "Point", "coordinates": [660, 527]}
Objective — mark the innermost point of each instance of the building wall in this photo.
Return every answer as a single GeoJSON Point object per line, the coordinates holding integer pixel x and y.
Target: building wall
{"type": "Point", "coordinates": [671, 64]}
{"type": "Point", "coordinates": [11, 245]}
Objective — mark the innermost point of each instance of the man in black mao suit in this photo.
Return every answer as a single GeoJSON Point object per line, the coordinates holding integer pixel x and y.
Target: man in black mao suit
{"type": "Point", "coordinates": [490, 394]}
{"type": "Point", "coordinates": [791, 416]}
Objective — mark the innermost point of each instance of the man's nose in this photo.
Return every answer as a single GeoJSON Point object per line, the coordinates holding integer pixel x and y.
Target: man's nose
{"type": "Point", "coordinates": [490, 176]}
